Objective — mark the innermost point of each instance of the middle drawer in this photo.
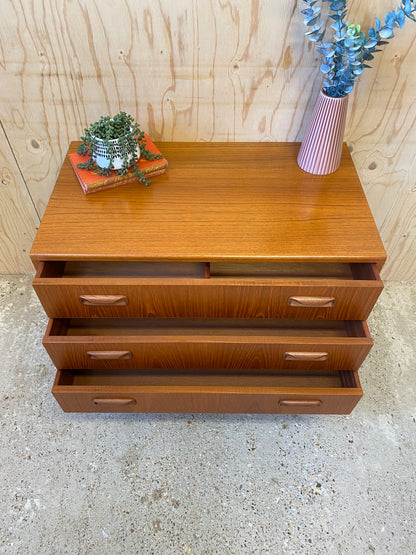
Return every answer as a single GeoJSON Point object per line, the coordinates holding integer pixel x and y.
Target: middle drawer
{"type": "Point", "coordinates": [220, 343]}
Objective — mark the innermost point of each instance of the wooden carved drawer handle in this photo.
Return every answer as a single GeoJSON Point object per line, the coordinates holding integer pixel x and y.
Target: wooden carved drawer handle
{"type": "Point", "coordinates": [114, 401]}
{"type": "Point", "coordinates": [103, 300]}
{"type": "Point", "coordinates": [300, 403]}
{"type": "Point", "coordinates": [306, 356]}
{"type": "Point", "coordinates": [109, 355]}
{"type": "Point", "coordinates": [311, 302]}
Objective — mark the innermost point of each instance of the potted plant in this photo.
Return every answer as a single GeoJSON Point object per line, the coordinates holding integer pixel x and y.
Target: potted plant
{"type": "Point", "coordinates": [344, 58]}
{"type": "Point", "coordinates": [115, 144]}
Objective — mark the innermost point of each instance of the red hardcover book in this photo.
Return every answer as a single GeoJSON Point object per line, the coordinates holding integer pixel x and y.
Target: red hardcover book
{"type": "Point", "coordinates": [92, 182]}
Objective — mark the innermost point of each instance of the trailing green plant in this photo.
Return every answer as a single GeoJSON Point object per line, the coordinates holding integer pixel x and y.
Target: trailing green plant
{"type": "Point", "coordinates": [345, 57]}
{"type": "Point", "coordinates": [130, 137]}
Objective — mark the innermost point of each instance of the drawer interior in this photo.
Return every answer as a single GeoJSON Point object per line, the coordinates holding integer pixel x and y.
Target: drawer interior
{"type": "Point", "coordinates": [247, 327]}
{"type": "Point", "coordinates": [201, 270]}
{"type": "Point", "coordinates": [294, 270]}
{"type": "Point", "coordinates": [123, 269]}
{"type": "Point", "coordinates": [203, 378]}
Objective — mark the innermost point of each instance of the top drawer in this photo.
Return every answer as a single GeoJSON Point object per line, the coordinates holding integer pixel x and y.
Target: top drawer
{"type": "Point", "coordinates": [216, 290]}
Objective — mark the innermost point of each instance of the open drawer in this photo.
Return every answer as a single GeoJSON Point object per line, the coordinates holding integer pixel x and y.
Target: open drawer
{"type": "Point", "coordinates": [207, 343]}
{"type": "Point", "coordinates": [205, 392]}
{"type": "Point", "coordinates": [180, 289]}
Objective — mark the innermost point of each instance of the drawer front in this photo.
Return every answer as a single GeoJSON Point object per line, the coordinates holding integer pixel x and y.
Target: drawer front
{"type": "Point", "coordinates": [205, 398]}
{"type": "Point", "coordinates": [208, 352]}
{"type": "Point", "coordinates": [210, 298]}
{"type": "Point", "coordinates": [216, 343]}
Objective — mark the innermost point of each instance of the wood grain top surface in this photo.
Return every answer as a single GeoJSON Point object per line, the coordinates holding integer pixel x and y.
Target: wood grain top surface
{"type": "Point", "coordinates": [218, 201]}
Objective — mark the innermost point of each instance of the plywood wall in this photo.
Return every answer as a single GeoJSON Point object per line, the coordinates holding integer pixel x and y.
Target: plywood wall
{"type": "Point", "coordinates": [18, 216]}
{"type": "Point", "coordinates": [198, 70]}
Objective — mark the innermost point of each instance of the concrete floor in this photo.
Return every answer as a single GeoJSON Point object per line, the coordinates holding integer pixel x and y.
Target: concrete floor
{"type": "Point", "coordinates": [226, 484]}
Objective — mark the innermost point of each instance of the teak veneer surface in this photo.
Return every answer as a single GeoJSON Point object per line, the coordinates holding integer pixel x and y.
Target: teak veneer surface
{"type": "Point", "coordinates": [218, 201]}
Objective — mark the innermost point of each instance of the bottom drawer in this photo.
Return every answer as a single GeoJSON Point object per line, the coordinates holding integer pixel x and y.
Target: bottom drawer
{"type": "Point", "coordinates": [176, 391]}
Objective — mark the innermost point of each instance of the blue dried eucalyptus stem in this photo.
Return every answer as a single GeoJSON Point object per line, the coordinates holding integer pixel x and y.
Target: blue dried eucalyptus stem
{"type": "Point", "coordinates": [346, 56]}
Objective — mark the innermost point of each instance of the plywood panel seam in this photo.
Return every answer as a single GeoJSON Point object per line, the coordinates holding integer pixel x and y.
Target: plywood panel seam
{"type": "Point", "coordinates": [20, 171]}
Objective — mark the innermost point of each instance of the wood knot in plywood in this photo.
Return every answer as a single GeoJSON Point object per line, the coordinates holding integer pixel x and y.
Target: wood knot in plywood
{"type": "Point", "coordinates": [5, 179]}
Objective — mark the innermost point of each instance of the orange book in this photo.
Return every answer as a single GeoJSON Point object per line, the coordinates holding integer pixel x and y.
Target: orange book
{"type": "Point", "coordinates": [92, 182]}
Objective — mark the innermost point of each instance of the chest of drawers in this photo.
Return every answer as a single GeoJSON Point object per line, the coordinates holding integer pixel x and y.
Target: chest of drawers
{"type": "Point", "coordinates": [235, 283]}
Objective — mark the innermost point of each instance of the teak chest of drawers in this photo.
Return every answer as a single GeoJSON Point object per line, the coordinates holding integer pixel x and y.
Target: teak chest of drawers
{"type": "Point", "coordinates": [234, 283]}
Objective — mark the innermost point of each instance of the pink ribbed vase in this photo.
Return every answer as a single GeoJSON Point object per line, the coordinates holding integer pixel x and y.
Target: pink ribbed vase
{"type": "Point", "coordinates": [320, 152]}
